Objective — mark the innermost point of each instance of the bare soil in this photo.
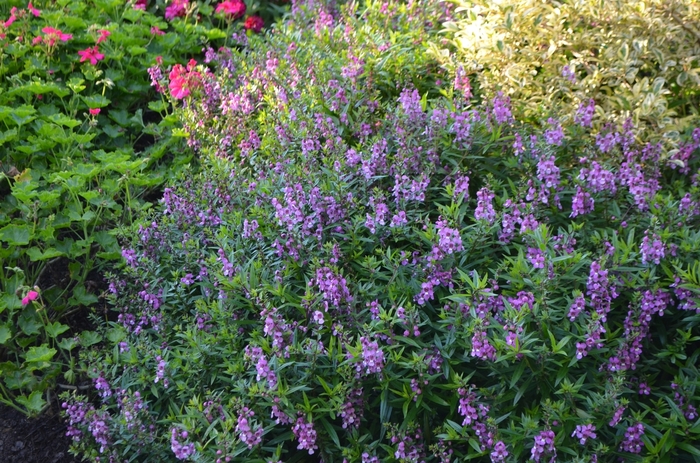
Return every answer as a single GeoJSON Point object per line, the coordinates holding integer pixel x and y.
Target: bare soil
{"type": "Point", "coordinates": [33, 440]}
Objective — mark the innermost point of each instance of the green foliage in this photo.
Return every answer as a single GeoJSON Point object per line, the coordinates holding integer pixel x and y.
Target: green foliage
{"type": "Point", "coordinates": [86, 144]}
{"type": "Point", "coordinates": [636, 59]}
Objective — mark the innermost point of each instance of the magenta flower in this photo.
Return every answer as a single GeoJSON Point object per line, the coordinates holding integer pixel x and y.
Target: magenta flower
{"type": "Point", "coordinates": [234, 9]}
{"type": "Point", "coordinates": [103, 36]}
{"type": "Point", "coordinates": [92, 54]}
{"type": "Point", "coordinates": [12, 17]}
{"type": "Point", "coordinates": [177, 8]}
{"type": "Point", "coordinates": [33, 10]}
{"type": "Point", "coordinates": [183, 80]}
{"type": "Point", "coordinates": [31, 296]}
{"type": "Point", "coordinates": [53, 35]}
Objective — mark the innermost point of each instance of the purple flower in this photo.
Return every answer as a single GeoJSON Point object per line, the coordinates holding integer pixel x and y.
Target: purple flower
{"type": "Point", "coordinates": [554, 135]}
{"type": "Point", "coordinates": [581, 203]}
{"type": "Point", "coordinates": [644, 389]}
{"type": "Point", "coordinates": [481, 348]}
{"type": "Point", "coordinates": [584, 432]}
{"type": "Point", "coordinates": [544, 443]}
{"type": "Point", "coordinates": [372, 358]}
{"type": "Point", "coordinates": [501, 109]}
{"type": "Point", "coordinates": [305, 434]}
{"type": "Point", "coordinates": [461, 186]}
{"type": "Point", "coordinates": [499, 452]}
{"type": "Point", "coordinates": [633, 439]}
{"type": "Point", "coordinates": [653, 250]}
{"type": "Point", "coordinates": [536, 257]}
{"type": "Point", "coordinates": [577, 307]}
{"type": "Point", "coordinates": [245, 432]}
{"type": "Point", "coordinates": [449, 240]}
{"type": "Point", "coordinates": [585, 113]}
{"type": "Point", "coordinates": [569, 74]}
{"type": "Point", "coordinates": [484, 206]}
{"type": "Point", "coordinates": [181, 450]}
{"type": "Point", "coordinates": [617, 416]}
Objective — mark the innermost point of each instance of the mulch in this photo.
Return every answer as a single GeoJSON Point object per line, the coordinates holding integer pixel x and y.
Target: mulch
{"type": "Point", "coordinates": [33, 440]}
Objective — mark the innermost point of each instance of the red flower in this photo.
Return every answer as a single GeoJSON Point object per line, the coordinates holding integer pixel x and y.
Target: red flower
{"type": "Point", "coordinates": [140, 4]}
{"type": "Point", "coordinates": [103, 36]}
{"type": "Point", "coordinates": [234, 9]}
{"type": "Point", "coordinates": [33, 10]}
{"type": "Point", "coordinates": [94, 111]}
{"type": "Point", "coordinates": [254, 23]}
{"type": "Point", "coordinates": [92, 54]}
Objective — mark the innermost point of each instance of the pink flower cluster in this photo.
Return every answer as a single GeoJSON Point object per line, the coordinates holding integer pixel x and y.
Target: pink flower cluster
{"type": "Point", "coordinates": [184, 79]}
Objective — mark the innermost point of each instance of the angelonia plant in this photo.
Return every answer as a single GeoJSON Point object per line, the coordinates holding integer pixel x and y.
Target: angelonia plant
{"type": "Point", "coordinates": [86, 144]}
{"type": "Point", "coordinates": [361, 273]}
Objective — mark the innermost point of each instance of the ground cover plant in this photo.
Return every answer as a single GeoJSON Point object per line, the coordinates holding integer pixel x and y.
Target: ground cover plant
{"type": "Point", "coordinates": [637, 59]}
{"type": "Point", "coordinates": [370, 272]}
{"type": "Point", "coordinates": [85, 142]}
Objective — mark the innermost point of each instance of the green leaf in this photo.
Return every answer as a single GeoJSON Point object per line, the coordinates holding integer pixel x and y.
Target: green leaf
{"type": "Point", "coordinates": [16, 235]}
{"type": "Point", "coordinates": [34, 403]}
{"type": "Point", "coordinates": [688, 448]}
{"type": "Point", "coordinates": [331, 431]}
{"type": "Point", "coordinates": [135, 51]}
{"type": "Point", "coordinates": [29, 321]}
{"type": "Point", "coordinates": [5, 333]}
{"type": "Point", "coordinates": [42, 353]}
{"type": "Point", "coordinates": [89, 338]}
{"type": "Point", "coordinates": [81, 296]}
{"type": "Point", "coordinates": [95, 101]}
{"type": "Point", "coordinates": [36, 254]}
{"type": "Point", "coordinates": [67, 344]}
{"type": "Point", "coordinates": [8, 136]}
{"type": "Point", "coordinates": [54, 329]}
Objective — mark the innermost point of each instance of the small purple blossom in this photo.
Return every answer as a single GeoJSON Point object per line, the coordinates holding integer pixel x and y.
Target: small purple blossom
{"type": "Point", "coordinates": [544, 444]}
{"type": "Point", "coordinates": [633, 439]}
{"type": "Point", "coordinates": [653, 249]}
{"type": "Point", "coordinates": [305, 434]}
{"type": "Point", "coordinates": [584, 432]}
{"type": "Point", "coordinates": [484, 207]}
{"type": "Point", "coordinates": [536, 257]}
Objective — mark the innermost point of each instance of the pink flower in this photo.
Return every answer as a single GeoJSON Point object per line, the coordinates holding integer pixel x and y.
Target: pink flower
{"type": "Point", "coordinates": [12, 17]}
{"type": "Point", "coordinates": [33, 10]}
{"type": "Point", "coordinates": [94, 111]}
{"type": "Point", "coordinates": [140, 4]}
{"type": "Point", "coordinates": [177, 8]}
{"type": "Point", "coordinates": [91, 54]}
{"type": "Point", "coordinates": [37, 40]}
{"type": "Point", "coordinates": [31, 296]}
{"type": "Point", "coordinates": [254, 23]}
{"type": "Point", "coordinates": [234, 9]}
{"type": "Point", "coordinates": [52, 35]}
{"type": "Point", "coordinates": [182, 80]}
{"type": "Point", "coordinates": [103, 36]}
{"type": "Point", "coordinates": [155, 30]}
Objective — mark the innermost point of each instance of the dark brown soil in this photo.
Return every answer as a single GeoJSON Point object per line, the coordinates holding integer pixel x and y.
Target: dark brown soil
{"type": "Point", "coordinates": [37, 440]}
